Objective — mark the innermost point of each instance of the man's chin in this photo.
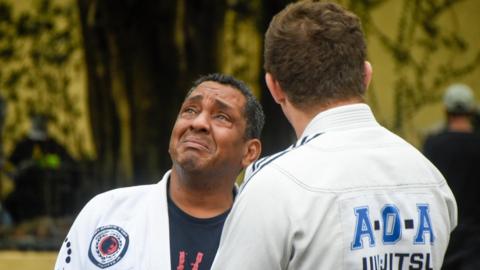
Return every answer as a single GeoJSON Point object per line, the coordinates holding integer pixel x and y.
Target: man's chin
{"type": "Point", "coordinates": [192, 164]}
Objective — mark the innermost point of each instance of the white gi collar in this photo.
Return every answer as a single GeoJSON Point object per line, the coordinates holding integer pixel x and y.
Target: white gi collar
{"type": "Point", "coordinates": [341, 118]}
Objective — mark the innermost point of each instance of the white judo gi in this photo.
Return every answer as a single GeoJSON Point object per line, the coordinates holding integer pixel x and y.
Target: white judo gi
{"type": "Point", "coordinates": [348, 195]}
{"type": "Point", "coordinates": [123, 229]}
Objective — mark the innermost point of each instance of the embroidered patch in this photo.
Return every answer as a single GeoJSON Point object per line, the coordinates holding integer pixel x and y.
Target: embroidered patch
{"type": "Point", "coordinates": [108, 246]}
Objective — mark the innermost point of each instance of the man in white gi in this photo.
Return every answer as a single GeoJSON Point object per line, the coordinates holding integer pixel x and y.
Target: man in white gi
{"type": "Point", "coordinates": [176, 223]}
{"type": "Point", "coordinates": [349, 194]}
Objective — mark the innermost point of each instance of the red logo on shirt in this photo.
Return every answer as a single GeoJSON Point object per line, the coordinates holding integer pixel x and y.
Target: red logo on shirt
{"type": "Point", "coordinates": [195, 265]}
{"type": "Point", "coordinates": [108, 245]}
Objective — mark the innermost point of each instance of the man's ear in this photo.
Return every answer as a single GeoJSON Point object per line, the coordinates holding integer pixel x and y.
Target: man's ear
{"type": "Point", "coordinates": [252, 152]}
{"type": "Point", "coordinates": [275, 89]}
{"type": "Point", "coordinates": [368, 74]}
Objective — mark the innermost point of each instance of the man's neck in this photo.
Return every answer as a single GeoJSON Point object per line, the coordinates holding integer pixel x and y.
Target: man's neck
{"type": "Point", "coordinates": [460, 124]}
{"type": "Point", "coordinates": [200, 197]}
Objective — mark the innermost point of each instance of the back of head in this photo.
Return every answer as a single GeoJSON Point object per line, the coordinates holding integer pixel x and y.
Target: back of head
{"type": "Point", "coordinates": [316, 51]}
{"type": "Point", "coordinates": [459, 99]}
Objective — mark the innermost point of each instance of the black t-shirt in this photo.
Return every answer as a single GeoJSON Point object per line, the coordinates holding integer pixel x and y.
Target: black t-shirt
{"type": "Point", "coordinates": [193, 241]}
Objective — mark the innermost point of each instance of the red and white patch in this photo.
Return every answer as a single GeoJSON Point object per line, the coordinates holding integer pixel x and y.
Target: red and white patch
{"type": "Point", "coordinates": [108, 246]}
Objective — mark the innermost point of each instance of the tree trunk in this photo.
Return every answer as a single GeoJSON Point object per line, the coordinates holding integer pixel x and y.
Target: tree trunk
{"type": "Point", "coordinates": [102, 113]}
{"type": "Point", "coordinates": [142, 57]}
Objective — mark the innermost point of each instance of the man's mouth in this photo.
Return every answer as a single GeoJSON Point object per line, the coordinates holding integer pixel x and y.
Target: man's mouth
{"type": "Point", "coordinates": [196, 143]}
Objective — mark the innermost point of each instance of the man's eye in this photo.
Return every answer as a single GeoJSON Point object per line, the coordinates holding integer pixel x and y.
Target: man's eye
{"type": "Point", "coordinates": [189, 110]}
{"type": "Point", "coordinates": [222, 117]}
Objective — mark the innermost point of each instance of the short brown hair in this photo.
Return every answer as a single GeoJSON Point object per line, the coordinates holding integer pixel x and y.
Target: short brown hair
{"type": "Point", "coordinates": [316, 51]}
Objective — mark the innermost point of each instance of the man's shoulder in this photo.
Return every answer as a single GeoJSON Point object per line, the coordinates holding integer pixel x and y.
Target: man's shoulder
{"type": "Point", "coordinates": [445, 138]}
{"type": "Point", "coordinates": [115, 200]}
{"type": "Point", "coordinates": [439, 135]}
{"type": "Point", "coordinates": [115, 204]}
{"type": "Point", "coordinates": [266, 166]}
{"type": "Point", "coordinates": [282, 155]}
{"type": "Point", "coordinates": [263, 162]}
{"type": "Point", "coordinates": [133, 193]}
{"type": "Point", "coordinates": [319, 165]}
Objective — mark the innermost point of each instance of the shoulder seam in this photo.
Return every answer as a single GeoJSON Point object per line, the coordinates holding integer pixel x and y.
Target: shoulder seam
{"type": "Point", "coordinates": [260, 164]}
{"type": "Point", "coordinates": [356, 189]}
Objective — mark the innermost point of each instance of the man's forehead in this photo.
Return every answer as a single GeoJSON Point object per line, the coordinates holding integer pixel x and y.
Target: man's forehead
{"type": "Point", "coordinates": [217, 91]}
{"type": "Point", "coordinates": [212, 87]}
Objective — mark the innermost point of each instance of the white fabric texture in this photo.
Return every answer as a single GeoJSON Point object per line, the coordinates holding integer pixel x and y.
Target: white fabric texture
{"type": "Point", "coordinates": [348, 195]}
{"type": "Point", "coordinates": [139, 212]}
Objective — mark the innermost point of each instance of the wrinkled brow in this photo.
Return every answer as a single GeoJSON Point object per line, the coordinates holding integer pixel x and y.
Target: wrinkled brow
{"type": "Point", "coordinates": [220, 104]}
{"type": "Point", "coordinates": [194, 98]}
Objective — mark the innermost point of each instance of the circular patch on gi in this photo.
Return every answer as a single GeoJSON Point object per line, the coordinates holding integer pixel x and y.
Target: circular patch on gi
{"type": "Point", "coordinates": [108, 246]}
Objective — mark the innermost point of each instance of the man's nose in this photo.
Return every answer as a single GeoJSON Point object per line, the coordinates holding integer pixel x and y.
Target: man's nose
{"type": "Point", "coordinates": [201, 122]}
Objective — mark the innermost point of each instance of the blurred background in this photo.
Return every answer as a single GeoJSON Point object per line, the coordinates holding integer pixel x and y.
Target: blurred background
{"type": "Point", "coordinates": [89, 90]}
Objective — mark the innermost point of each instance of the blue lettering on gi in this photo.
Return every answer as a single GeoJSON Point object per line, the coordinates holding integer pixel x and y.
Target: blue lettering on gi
{"type": "Point", "coordinates": [425, 225]}
{"type": "Point", "coordinates": [363, 228]}
{"type": "Point", "coordinates": [392, 230]}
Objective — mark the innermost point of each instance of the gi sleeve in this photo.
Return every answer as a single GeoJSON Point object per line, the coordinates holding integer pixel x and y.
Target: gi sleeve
{"type": "Point", "coordinates": [74, 251]}
{"type": "Point", "coordinates": [256, 234]}
{"type": "Point", "coordinates": [451, 206]}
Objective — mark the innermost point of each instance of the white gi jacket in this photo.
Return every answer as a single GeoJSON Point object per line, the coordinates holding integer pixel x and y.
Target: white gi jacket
{"type": "Point", "coordinates": [348, 195]}
{"type": "Point", "coordinates": [122, 229]}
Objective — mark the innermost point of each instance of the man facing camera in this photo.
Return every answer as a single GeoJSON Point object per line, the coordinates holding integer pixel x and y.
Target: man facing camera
{"type": "Point", "coordinates": [176, 223]}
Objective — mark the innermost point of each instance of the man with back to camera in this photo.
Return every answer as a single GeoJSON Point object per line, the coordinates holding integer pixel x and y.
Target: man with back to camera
{"type": "Point", "coordinates": [176, 223]}
{"type": "Point", "coordinates": [456, 153]}
{"type": "Point", "coordinates": [349, 194]}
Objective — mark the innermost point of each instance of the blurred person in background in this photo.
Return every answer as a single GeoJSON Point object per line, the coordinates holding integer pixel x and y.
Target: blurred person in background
{"type": "Point", "coordinates": [42, 170]}
{"type": "Point", "coordinates": [176, 223]}
{"type": "Point", "coordinates": [476, 119]}
{"type": "Point", "coordinates": [456, 152]}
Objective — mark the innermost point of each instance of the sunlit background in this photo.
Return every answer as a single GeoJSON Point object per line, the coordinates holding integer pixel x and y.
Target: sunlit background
{"type": "Point", "coordinates": [108, 78]}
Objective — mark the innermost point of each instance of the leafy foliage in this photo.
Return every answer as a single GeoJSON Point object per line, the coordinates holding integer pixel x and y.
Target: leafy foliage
{"type": "Point", "coordinates": [415, 47]}
{"type": "Point", "coordinates": [38, 48]}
